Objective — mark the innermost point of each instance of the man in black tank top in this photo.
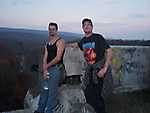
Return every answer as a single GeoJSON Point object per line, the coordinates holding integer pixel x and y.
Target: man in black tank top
{"type": "Point", "coordinates": [53, 58]}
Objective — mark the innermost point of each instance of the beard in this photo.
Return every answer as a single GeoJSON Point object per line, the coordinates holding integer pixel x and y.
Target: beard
{"type": "Point", "coordinates": [52, 34]}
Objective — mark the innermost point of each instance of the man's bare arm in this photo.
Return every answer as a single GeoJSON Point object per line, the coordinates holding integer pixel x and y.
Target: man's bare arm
{"type": "Point", "coordinates": [73, 45]}
{"type": "Point", "coordinates": [45, 59]}
{"type": "Point", "coordinates": [108, 61]}
{"type": "Point", "coordinates": [108, 57]}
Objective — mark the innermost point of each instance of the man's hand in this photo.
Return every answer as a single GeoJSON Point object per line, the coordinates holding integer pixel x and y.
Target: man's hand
{"type": "Point", "coordinates": [73, 45]}
{"type": "Point", "coordinates": [45, 72]}
{"type": "Point", "coordinates": [102, 72]}
{"type": "Point", "coordinates": [45, 75]}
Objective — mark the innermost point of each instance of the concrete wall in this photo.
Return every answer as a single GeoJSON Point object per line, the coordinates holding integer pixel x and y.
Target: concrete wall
{"type": "Point", "coordinates": [130, 66]}
{"type": "Point", "coordinates": [74, 61]}
{"type": "Point", "coordinates": [130, 70]}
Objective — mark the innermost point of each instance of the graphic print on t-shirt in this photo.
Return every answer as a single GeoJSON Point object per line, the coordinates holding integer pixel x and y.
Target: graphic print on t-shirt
{"type": "Point", "coordinates": [89, 52]}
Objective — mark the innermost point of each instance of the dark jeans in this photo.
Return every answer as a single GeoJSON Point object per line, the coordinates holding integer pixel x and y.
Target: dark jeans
{"type": "Point", "coordinates": [93, 96]}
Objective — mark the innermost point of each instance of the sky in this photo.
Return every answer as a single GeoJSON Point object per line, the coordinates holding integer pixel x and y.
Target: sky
{"type": "Point", "coordinates": [123, 19]}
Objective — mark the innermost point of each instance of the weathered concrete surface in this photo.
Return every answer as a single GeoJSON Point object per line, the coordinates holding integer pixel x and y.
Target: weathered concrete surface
{"type": "Point", "coordinates": [131, 68]}
{"type": "Point", "coordinates": [71, 99]}
{"type": "Point", "coordinates": [74, 61]}
{"type": "Point", "coordinates": [127, 102]}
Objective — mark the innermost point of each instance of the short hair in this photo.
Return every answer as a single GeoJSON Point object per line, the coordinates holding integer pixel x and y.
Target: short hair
{"type": "Point", "coordinates": [87, 20]}
{"type": "Point", "coordinates": [53, 24]}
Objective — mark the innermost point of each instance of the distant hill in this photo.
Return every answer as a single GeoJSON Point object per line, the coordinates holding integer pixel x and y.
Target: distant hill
{"type": "Point", "coordinates": [119, 42]}
{"type": "Point", "coordinates": [21, 34]}
{"type": "Point", "coordinates": [39, 37]}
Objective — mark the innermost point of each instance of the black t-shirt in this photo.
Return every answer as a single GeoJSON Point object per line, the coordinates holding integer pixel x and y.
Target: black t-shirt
{"type": "Point", "coordinates": [93, 47]}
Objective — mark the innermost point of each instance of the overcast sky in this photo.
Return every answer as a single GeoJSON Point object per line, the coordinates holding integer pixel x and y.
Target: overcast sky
{"type": "Point", "coordinates": [113, 18]}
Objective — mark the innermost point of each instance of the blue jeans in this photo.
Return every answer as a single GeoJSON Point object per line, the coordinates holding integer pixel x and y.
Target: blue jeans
{"type": "Point", "coordinates": [48, 97]}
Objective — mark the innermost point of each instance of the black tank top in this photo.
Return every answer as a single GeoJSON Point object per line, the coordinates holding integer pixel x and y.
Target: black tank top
{"type": "Point", "coordinates": [52, 52]}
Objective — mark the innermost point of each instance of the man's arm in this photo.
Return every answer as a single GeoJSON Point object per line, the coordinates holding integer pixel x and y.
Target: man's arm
{"type": "Point", "coordinates": [108, 57]}
{"type": "Point", "coordinates": [45, 59]}
{"type": "Point", "coordinates": [60, 49]}
{"type": "Point", "coordinates": [108, 61]}
{"type": "Point", "coordinates": [73, 45]}
{"type": "Point", "coordinates": [45, 64]}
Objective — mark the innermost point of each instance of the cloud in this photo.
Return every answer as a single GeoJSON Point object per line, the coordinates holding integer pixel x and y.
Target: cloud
{"type": "Point", "coordinates": [21, 2]}
{"type": "Point", "coordinates": [71, 27]}
{"type": "Point", "coordinates": [109, 27]}
{"type": "Point", "coordinates": [137, 16]}
{"type": "Point", "coordinates": [108, 2]}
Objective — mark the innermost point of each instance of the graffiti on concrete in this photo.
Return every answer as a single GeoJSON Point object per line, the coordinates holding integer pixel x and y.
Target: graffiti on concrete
{"type": "Point", "coordinates": [131, 67]}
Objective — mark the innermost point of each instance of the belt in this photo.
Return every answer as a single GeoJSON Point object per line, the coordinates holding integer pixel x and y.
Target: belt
{"type": "Point", "coordinates": [74, 79]}
{"type": "Point", "coordinates": [58, 65]}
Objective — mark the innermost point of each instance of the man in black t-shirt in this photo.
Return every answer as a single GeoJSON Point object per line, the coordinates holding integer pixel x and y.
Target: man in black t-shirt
{"type": "Point", "coordinates": [93, 47]}
{"type": "Point", "coordinates": [98, 55]}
